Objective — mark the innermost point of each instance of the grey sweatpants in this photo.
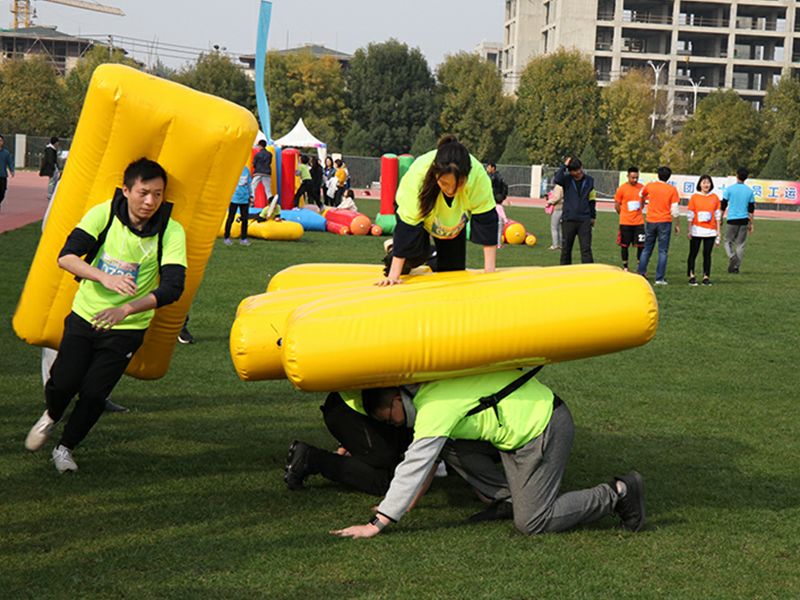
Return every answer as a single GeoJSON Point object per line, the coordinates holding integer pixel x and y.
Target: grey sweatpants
{"type": "Point", "coordinates": [555, 227]}
{"type": "Point", "coordinates": [534, 474]}
{"type": "Point", "coordinates": [735, 240]}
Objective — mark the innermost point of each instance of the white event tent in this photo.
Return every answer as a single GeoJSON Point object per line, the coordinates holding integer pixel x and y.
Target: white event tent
{"type": "Point", "coordinates": [300, 137]}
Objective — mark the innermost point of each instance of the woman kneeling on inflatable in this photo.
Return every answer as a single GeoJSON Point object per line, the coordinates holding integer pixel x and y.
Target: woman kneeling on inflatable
{"type": "Point", "coordinates": [443, 190]}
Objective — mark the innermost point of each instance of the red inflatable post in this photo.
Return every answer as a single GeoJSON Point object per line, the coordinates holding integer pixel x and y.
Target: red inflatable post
{"type": "Point", "coordinates": [389, 178]}
{"type": "Point", "coordinates": [289, 159]}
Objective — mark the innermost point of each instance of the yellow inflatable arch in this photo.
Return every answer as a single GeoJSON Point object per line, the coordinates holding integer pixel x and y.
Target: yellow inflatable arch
{"type": "Point", "coordinates": [439, 325]}
{"type": "Point", "coordinates": [202, 141]}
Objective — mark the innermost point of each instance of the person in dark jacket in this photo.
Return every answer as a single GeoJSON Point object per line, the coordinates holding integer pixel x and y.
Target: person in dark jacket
{"type": "Point", "coordinates": [6, 168]}
{"type": "Point", "coordinates": [579, 209]}
{"type": "Point", "coordinates": [316, 181]}
{"type": "Point", "coordinates": [49, 167]}
{"type": "Point", "coordinates": [262, 169]}
{"type": "Point", "coordinates": [499, 187]}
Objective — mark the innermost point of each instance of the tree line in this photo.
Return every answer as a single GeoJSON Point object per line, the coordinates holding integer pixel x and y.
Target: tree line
{"type": "Point", "coordinates": [390, 100]}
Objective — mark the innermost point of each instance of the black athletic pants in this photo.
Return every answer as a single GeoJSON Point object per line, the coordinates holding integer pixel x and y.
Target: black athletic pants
{"type": "Point", "coordinates": [89, 363]}
{"type": "Point", "coordinates": [307, 188]}
{"type": "Point", "coordinates": [694, 250]}
{"type": "Point", "coordinates": [375, 449]}
{"type": "Point", "coordinates": [581, 229]}
{"type": "Point", "coordinates": [244, 213]}
{"type": "Point", "coordinates": [3, 187]}
{"type": "Point", "coordinates": [451, 255]}
{"type": "Point", "coordinates": [624, 253]}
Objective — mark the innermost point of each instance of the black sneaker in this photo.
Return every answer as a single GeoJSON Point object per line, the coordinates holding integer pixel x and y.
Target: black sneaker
{"type": "Point", "coordinates": [630, 507]}
{"type": "Point", "coordinates": [297, 467]}
{"type": "Point", "coordinates": [184, 337]}
{"type": "Point", "coordinates": [693, 281]}
{"type": "Point", "coordinates": [706, 281]}
{"type": "Point", "coordinates": [113, 407]}
{"type": "Point", "coordinates": [499, 510]}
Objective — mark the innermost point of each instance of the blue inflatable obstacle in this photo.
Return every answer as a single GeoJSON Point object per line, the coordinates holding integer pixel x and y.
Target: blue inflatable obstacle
{"type": "Point", "coordinates": [310, 220]}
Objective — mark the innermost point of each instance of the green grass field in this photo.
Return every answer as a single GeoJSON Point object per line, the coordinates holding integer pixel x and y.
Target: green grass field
{"type": "Point", "coordinates": [184, 496]}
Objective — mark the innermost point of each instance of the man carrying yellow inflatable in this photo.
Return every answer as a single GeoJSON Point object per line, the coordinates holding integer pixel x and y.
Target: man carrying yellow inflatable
{"type": "Point", "coordinates": [135, 262]}
{"type": "Point", "coordinates": [530, 426]}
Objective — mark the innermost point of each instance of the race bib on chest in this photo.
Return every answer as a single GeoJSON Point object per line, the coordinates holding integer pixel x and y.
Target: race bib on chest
{"type": "Point", "coordinates": [634, 205]}
{"type": "Point", "coordinates": [114, 266]}
{"type": "Point", "coordinates": [704, 216]}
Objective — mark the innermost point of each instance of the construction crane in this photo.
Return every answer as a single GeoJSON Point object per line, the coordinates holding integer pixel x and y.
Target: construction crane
{"type": "Point", "coordinates": [23, 14]}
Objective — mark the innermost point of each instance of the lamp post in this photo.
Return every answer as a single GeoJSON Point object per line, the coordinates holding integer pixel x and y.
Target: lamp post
{"type": "Point", "coordinates": [657, 73]}
{"type": "Point", "coordinates": [695, 86]}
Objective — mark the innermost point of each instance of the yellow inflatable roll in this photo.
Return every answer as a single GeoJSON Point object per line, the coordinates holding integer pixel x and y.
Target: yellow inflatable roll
{"type": "Point", "coordinates": [261, 331]}
{"type": "Point", "coordinates": [202, 141]}
{"type": "Point", "coordinates": [285, 231]}
{"type": "Point", "coordinates": [260, 324]}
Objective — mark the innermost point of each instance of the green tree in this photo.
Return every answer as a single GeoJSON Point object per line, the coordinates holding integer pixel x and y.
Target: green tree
{"type": "Point", "coordinates": [724, 133]}
{"type": "Point", "coordinates": [304, 86]}
{"type": "Point", "coordinates": [776, 167]}
{"type": "Point", "coordinates": [32, 99]}
{"type": "Point", "coordinates": [673, 154]}
{"type": "Point", "coordinates": [782, 111]}
{"type": "Point", "coordinates": [424, 141]}
{"type": "Point", "coordinates": [77, 81]}
{"type": "Point", "coordinates": [356, 141]}
{"type": "Point", "coordinates": [589, 158]}
{"type": "Point", "coordinates": [473, 104]}
{"type": "Point", "coordinates": [391, 94]}
{"type": "Point", "coordinates": [625, 108]}
{"type": "Point", "coordinates": [215, 73]}
{"type": "Point", "coordinates": [515, 152]}
{"type": "Point", "coordinates": [557, 106]}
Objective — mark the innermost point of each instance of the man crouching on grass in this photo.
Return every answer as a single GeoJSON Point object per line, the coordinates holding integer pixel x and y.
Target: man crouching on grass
{"type": "Point", "coordinates": [135, 262]}
{"type": "Point", "coordinates": [530, 426]}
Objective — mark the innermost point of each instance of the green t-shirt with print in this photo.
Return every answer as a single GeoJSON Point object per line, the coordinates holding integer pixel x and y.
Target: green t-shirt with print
{"type": "Point", "coordinates": [442, 407]}
{"type": "Point", "coordinates": [303, 171]}
{"type": "Point", "coordinates": [444, 222]}
{"type": "Point", "coordinates": [125, 252]}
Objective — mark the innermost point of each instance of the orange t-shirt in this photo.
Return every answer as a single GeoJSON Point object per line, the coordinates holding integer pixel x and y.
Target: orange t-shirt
{"type": "Point", "coordinates": [660, 197]}
{"type": "Point", "coordinates": [628, 198]}
{"type": "Point", "coordinates": [703, 206]}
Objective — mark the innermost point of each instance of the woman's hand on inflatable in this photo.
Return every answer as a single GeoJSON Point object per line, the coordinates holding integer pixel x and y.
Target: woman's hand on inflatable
{"type": "Point", "coordinates": [387, 281]}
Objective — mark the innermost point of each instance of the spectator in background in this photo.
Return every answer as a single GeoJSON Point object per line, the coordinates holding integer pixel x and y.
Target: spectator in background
{"type": "Point", "coordinates": [703, 216]}
{"type": "Point", "coordinates": [662, 209]}
{"type": "Point", "coordinates": [316, 180]}
{"type": "Point", "coordinates": [341, 180]}
{"type": "Point", "coordinates": [6, 167]}
{"type": "Point", "coordinates": [740, 201]}
{"type": "Point", "coordinates": [579, 209]}
{"type": "Point", "coordinates": [628, 204]}
{"type": "Point", "coordinates": [348, 201]}
{"type": "Point", "coordinates": [499, 187]}
{"type": "Point", "coordinates": [241, 202]}
{"type": "Point", "coordinates": [554, 206]}
{"type": "Point", "coordinates": [306, 184]}
{"type": "Point", "coordinates": [49, 166]}
{"type": "Point", "coordinates": [262, 169]}
{"type": "Point", "coordinates": [328, 173]}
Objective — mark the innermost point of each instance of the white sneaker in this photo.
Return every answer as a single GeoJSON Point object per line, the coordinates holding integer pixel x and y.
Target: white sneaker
{"type": "Point", "coordinates": [40, 432]}
{"type": "Point", "coordinates": [661, 282]}
{"type": "Point", "coordinates": [227, 241]}
{"type": "Point", "coordinates": [62, 459]}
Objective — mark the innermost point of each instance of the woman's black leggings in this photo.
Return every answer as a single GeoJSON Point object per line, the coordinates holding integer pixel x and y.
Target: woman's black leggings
{"type": "Point", "coordinates": [694, 250]}
{"type": "Point", "coordinates": [244, 211]}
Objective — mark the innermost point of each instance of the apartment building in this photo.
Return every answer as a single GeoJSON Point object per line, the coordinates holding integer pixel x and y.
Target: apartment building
{"type": "Point", "coordinates": [691, 47]}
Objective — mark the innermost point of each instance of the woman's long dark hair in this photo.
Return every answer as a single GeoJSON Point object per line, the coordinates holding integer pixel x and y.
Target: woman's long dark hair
{"type": "Point", "coordinates": [699, 181]}
{"type": "Point", "coordinates": [452, 158]}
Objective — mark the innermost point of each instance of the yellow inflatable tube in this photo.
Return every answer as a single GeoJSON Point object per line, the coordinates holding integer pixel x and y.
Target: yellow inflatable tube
{"type": "Point", "coordinates": [501, 321]}
{"type": "Point", "coordinates": [202, 141]}
{"type": "Point", "coordinates": [256, 340]}
{"type": "Point", "coordinates": [284, 231]}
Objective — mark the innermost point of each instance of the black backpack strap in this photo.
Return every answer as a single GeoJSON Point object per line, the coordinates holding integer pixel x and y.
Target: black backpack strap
{"type": "Point", "coordinates": [101, 237]}
{"type": "Point", "coordinates": [492, 400]}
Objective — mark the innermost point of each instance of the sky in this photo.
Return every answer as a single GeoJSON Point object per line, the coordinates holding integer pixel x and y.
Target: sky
{"type": "Point", "coordinates": [436, 27]}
